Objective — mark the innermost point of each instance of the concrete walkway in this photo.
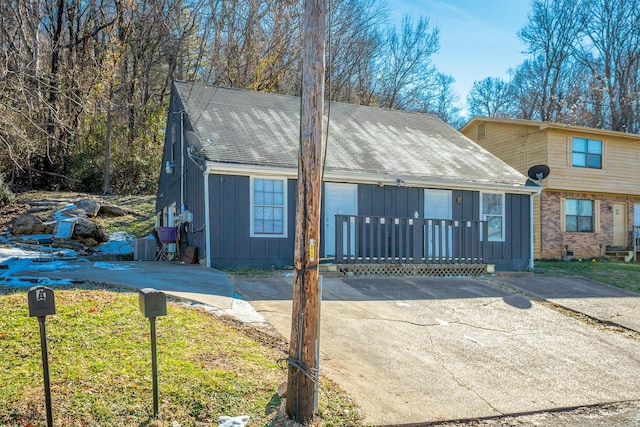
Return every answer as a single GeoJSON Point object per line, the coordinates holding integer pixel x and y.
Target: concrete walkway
{"type": "Point", "coordinates": [600, 301]}
{"type": "Point", "coordinates": [191, 282]}
{"type": "Point", "coordinates": [416, 350]}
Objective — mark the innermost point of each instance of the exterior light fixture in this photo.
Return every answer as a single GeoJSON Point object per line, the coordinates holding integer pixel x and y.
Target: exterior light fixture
{"type": "Point", "coordinates": [168, 167]}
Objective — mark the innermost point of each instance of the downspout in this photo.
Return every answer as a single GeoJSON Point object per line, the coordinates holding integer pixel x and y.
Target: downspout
{"type": "Point", "coordinates": [207, 216]}
{"type": "Point", "coordinates": [531, 232]}
{"type": "Point", "coordinates": [531, 227]}
{"type": "Point", "coordinates": [182, 154]}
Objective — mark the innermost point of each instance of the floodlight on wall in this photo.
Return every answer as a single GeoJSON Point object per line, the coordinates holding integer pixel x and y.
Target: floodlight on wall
{"type": "Point", "coordinates": [168, 167]}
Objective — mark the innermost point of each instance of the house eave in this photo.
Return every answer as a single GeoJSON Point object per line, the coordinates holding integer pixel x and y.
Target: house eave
{"type": "Point", "coordinates": [550, 126]}
{"type": "Point", "coordinates": [370, 178]}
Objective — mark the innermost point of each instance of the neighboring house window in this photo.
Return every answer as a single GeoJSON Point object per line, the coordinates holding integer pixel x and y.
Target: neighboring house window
{"type": "Point", "coordinates": [268, 207]}
{"type": "Point", "coordinates": [578, 215]}
{"type": "Point", "coordinates": [587, 153]}
{"type": "Point", "coordinates": [493, 213]}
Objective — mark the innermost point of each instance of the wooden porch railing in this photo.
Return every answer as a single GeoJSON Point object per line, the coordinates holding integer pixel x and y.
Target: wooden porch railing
{"type": "Point", "coordinates": [636, 242]}
{"type": "Point", "coordinates": [388, 240]}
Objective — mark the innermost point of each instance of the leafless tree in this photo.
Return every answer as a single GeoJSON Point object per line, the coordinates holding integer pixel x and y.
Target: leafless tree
{"type": "Point", "coordinates": [355, 40]}
{"type": "Point", "coordinates": [404, 66]}
{"type": "Point", "coordinates": [550, 34]}
{"type": "Point", "coordinates": [491, 97]}
{"type": "Point", "coordinates": [84, 84]}
{"type": "Point", "coordinates": [611, 49]}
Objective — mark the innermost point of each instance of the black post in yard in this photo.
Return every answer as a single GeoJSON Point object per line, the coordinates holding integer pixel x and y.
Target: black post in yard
{"type": "Point", "coordinates": [154, 366]}
{"type": "Point", "coordinates": [45, 369]}
{"type": "Point", "coordinates": [153, 304]}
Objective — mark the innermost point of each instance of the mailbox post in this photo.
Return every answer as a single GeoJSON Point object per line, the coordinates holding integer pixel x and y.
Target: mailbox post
{"type": "Point", "coordinates": [42, 304]}
{"type": "Point", "coordinates": [153, 304]}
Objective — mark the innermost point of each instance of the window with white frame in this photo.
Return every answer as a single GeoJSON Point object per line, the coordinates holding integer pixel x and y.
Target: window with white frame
{"type": "Point", "coordinates": [268, 207]}
{"type": "Point", "coordinates": [579, 215]}
{"type": "Point", "coordinates": [493, 214]}
{"type": "Point", "coordinates": [587, 153]}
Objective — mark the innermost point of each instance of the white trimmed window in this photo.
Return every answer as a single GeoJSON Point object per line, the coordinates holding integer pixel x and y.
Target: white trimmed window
{"type": "Point", "coordinates": [492, 208]}
{"type": "Point", "coordinates": [268, 207]}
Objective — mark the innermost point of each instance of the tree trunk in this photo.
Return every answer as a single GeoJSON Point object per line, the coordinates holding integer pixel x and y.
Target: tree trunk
{"type": "Point", "coordinates": [304, 328]}
{"type": "Point", "coordinates": [107, 150]}
{"type": "Point", "coordinates": [53, 90]}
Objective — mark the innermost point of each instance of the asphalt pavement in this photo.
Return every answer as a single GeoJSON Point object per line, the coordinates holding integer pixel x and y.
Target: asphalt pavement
{"type": "Point", "coordinates": [416, 350]}
{"type": "Point", "coordinates": [421, 350]}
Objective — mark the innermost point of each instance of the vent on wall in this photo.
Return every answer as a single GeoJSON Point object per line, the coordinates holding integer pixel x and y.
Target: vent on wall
{"type": "Point", "coordinates": [482, 131]}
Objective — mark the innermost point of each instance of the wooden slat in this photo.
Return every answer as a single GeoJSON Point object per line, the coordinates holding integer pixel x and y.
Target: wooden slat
{"type": "Point", "coordinates": [406, 240]}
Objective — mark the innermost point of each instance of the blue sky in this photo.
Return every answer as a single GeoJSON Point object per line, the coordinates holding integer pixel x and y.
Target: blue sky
{"type": "Point", "coordinates": [478, 38]}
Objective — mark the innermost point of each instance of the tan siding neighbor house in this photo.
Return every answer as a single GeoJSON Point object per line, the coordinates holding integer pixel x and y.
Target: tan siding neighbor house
{"type": "Point", "coordinates": [591, 198]}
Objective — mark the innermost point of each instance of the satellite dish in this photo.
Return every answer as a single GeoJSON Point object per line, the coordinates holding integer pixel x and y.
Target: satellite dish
{"type": "Point", "coordinates": [538, 173]}
{"type": "Point", "coordinates": [193, 141]}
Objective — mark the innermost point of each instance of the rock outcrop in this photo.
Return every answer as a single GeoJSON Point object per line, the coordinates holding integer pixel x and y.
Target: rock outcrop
{"type": "Point", "coordinates": [29, 224]}
{"type": "Point", "coordinates": [85, 230]}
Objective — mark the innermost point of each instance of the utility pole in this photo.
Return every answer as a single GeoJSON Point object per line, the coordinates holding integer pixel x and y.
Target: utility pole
{"type": "Point", "coordinates": [304, 328]}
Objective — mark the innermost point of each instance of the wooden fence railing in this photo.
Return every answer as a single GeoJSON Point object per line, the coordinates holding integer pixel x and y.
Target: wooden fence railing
{"type": "Point", "coordinates": [388, 240]}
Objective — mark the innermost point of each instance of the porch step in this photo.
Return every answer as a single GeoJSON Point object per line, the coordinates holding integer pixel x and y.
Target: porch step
{"type": "Point", "coordinates": [622, 256]}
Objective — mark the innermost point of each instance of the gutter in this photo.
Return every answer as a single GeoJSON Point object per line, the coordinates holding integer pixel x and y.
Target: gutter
{"type": "Point", "coordinates": [370, 178]}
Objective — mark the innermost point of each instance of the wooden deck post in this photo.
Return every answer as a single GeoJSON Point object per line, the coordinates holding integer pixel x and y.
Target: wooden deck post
{"type": "Point", "coordinates": [302, 359]}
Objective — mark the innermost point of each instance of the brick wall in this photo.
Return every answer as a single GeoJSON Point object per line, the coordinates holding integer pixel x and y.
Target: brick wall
{"type": "Point", "coordinates": [583, 245]}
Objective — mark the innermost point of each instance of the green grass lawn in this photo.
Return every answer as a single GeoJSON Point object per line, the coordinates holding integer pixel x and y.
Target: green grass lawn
{"type": "Point", "coordinates": [100, 366]}
{"type": "Point", "coordinates": [620, 274]}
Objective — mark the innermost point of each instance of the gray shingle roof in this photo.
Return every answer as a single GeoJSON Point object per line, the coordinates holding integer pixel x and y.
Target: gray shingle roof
{"type": "Point", "coordinates": [258, 128]}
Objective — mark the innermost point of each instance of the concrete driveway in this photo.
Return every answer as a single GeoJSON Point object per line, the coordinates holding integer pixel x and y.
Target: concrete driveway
{"type": "Point", "coordinates": [421, 350]}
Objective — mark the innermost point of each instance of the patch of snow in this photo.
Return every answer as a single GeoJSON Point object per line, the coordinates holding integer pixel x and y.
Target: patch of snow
{"type": "Point", "coordinates": [12, 276]}
{"type": "Point", "coordinates": [28, 282]}
{"type": "Point", "coordinates": [240, 309]}
{"type": "Point", "coordinates": [119, 236]}
{"type": "Point", "coordinates": [119, 243]}
{"type": "Point", "coordinates": [8, 253]}
{"type": "Point", "coordinates": [113, 267]}
{"type": "Point", "coordinates": [240, 421]}
{"type": "Point", "coordinates": [58, 216]}
{"type": "Point", "coordinates": [115, 247]}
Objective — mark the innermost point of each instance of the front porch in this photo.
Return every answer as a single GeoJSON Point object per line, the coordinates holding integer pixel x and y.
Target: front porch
{"type": "Point", "coordinates": [627, 253]}
{"type": "Point", "coordinates": [410, 246]}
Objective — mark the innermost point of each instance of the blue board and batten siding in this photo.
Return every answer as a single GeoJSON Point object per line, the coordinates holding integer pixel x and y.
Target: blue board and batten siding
{"type": "Point", "coordinates": [190, 185]}
{"type": "Point", "coordinates": [232, 245]}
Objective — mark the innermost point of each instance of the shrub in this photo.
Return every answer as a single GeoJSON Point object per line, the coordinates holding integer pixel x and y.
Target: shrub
{"type": "Point", "coordinates": [6, 195]}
